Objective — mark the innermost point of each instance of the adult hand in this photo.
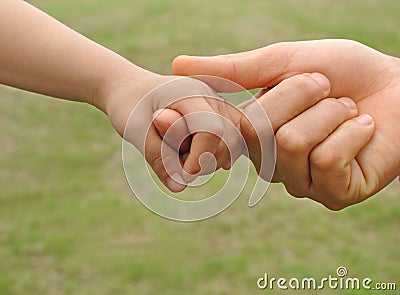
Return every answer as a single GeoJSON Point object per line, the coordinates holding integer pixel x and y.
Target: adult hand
{"type": "Point", "coordinates": [297, 103]}
{"type": "Point", "coordinates": [347, 166]}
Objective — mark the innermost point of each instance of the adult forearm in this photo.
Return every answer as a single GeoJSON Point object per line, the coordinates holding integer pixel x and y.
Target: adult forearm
{"type": "Point", "coordinates": [39, 54]}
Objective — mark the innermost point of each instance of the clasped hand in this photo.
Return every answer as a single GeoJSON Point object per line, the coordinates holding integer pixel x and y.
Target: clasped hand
{"type": "Point", "coordinates": [333, 106]}
{"type": "Point", "coordinates": [306, 122]}
{"type": "Point", "coordinates": [335, 129]}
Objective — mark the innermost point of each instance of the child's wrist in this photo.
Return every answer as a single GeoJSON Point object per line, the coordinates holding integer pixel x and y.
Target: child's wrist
{"type": "Point", "coordinates": [113, 79]}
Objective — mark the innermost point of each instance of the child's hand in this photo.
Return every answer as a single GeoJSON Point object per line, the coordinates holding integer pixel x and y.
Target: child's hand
{"type": "Point", "coordinates": [146, 97]}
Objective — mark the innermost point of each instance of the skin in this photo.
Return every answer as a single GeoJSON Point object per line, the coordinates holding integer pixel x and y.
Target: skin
{"type": "Point", "coordinates": [299, 100]}
{"type": "Point", "coordinates": [323, 153]}
{"type": "Point", "coordinates": [41, 55]}
{"type": "Point", "coordinates": [78, 69]}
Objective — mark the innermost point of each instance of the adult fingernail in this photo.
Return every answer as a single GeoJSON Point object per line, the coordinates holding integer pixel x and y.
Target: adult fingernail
{"type": "Point", "coordinates": [321, 80]}
{"type": "Point", "coordinates": [365, 119]}
{"type": "Point", "coordinates": [348, 102]}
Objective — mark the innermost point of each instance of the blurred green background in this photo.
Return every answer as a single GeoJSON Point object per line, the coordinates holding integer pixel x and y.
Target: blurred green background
{"type": "Point", "coordinates": [68, 221]}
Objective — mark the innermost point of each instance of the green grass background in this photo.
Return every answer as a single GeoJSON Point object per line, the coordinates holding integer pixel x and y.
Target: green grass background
{"type": "Point", "coordinates": [68, 221]}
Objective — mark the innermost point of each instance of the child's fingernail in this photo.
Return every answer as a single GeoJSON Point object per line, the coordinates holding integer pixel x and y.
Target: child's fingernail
{"type": "Point", "coordinates": [175, 185]}
{"type": "Point", "coordinates": [156, 113]}
{"type": "Point", "coordinates": [228, 165]}
{"type": "Point", "coordinates": [178, 178]}
{"type": "Point", "coordinates": [321, 80]}
{"type": "Point", "coordinates": [348, 102]}
{"type": "Point", "coordinates": [188, 178]}
{"type": "Point", "coordinates": [365, 119]}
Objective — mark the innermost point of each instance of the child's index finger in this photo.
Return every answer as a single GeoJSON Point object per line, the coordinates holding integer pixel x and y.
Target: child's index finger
{"type": "Point", "coordinates": [201, 159]}
{"type": "Point", "coordinates": [207, 128]}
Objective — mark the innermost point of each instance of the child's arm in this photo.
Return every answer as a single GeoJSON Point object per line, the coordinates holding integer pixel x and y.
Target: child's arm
{"type": "Point", "coordinates": [39, 54]}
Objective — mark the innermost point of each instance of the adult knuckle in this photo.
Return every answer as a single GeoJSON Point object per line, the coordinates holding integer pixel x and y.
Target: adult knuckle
{"type": "Point", "coordinates": [338, 205]}
{"type": "Point", "coordinates": [335, 201]}
{"type": "Point", "coordinates": [326, 159]}
{"type": "Point", "coordinates": [249, 131]}
{"type": "Point", "coordinates": [334, 105]}
{"type": "Point", "coordinates": [301, 81]}
{"type": "Point", "coordinates": [290, 141]}
{"type": "Point", "coordinates": [307, 84]}
{"type": "Point", "coordinates": [295, 191]}
{"type": "Point", "coordinates": [331, 103]}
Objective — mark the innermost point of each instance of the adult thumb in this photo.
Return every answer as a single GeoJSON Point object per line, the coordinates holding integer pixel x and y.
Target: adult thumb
{"type": "Point", "coordinates": [257, 68]}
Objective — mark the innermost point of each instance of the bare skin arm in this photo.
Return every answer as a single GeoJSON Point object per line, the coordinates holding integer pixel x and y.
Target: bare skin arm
{"type": "Point", "coordinates": [40, 54]}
